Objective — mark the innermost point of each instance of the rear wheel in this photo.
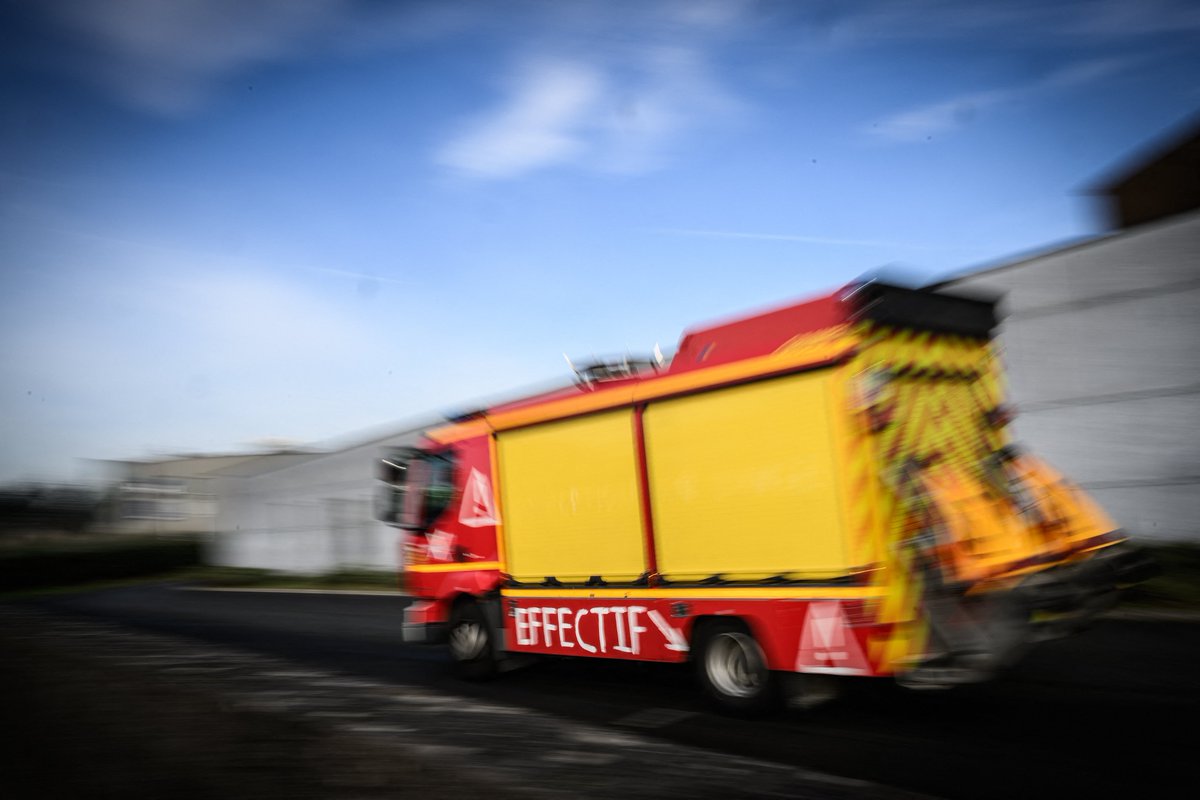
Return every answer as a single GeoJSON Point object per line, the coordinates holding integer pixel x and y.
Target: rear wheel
{"type": "Point", "coordinates": [472, 644]}
{"type": "Point", "coordinates": [733, 668]}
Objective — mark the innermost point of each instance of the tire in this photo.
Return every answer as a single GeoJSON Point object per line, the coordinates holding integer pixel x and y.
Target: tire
{"type": "Point", "coordinates": [732, 668]}
{"type": "Point", "coordinates": [472, 643]}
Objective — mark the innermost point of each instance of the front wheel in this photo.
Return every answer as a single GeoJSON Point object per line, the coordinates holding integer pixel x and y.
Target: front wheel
{"type": "Point", "coordinates": [733, 668]}
{"type": "Point", "coordinates": [472, 645]}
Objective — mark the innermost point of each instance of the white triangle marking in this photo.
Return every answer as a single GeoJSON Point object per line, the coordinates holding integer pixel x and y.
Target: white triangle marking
{"type": "Point", "coordinates": [477, 509]}
{"type": "Point", "coordinates": [824, 639]}
{"type": "Point", "coordinates": [439, 545]}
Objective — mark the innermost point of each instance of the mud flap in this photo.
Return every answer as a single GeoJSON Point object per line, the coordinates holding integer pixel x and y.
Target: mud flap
{"type": "Point", "coordinates": [506, 661]}
{"type": "Point", "coordinates": [994, 632]}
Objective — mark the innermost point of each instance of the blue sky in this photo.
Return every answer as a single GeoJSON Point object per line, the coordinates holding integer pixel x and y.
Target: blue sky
{"type": "Point", "coordinates": [225, 222]}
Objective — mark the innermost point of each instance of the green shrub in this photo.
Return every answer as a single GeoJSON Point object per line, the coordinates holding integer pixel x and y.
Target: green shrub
{"type": "Point", "coordinates": [1177, 586]}
{"type": "Point", "coordinates": [71, 562]}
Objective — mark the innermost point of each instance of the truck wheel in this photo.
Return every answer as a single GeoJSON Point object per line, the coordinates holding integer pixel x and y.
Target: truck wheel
{"type": "Point", "coordinates": [471, 642]}
{"type": "Point", "coordinates": [733, 668]}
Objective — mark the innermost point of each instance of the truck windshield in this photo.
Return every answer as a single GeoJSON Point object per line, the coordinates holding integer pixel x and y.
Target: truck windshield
{"type": "Point", "coordinates": [424, 490]}
{"type": "Point", "coordinates": [411, 494]}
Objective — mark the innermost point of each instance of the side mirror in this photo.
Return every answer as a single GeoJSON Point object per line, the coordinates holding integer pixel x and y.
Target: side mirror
{"type": "Point", "coordinates": [394, 473]}
{"type": "Point", "coordinates": [387, 504]}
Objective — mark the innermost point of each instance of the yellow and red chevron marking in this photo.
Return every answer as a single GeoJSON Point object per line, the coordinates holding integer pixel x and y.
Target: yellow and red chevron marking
{"type": "Point", "coordinates": [944, 385]}
{"type": "Point", "coordinates": [914, 424]}
{"type": "Point", "coordinates": [900, 605]}
{"type": "Point", "coordinates": [869, 500]}
{"type": "Point", "coordinates": [852, 438]}
{"type": "Point", "coordinates": [879, 348]}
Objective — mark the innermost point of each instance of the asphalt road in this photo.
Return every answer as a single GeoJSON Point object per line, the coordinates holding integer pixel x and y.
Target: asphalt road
{"type": "Point", "coordinates": [1108, 713]}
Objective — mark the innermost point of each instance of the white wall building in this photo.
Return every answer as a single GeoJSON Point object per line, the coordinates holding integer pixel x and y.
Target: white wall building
{"type": "Point", "coordinates": [1102, 344]}
{"type": "Point", "coordinates": [311, 512]}
{"type": "Point", "coordinates": [168, 495]}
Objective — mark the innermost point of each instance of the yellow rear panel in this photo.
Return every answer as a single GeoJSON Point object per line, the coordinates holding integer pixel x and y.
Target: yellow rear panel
{"type": "Point", "coordinates": [569, 491]}
{"type": "Point", "coordinates": [743, 482]}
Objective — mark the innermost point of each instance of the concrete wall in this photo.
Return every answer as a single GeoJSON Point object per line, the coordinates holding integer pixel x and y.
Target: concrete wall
{"type": "Point", "coordinates": [313, 516]}
{"type": "Point", "coordinates": [168, 496]}
{"type": "Point", "coordinates": [176, 495]}
{"type": "Point", "coordinates": [1102, 342]}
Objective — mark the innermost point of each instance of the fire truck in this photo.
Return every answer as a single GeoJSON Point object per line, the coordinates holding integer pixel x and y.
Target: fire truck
{"type": "Point", "coordinates": [828, 488]}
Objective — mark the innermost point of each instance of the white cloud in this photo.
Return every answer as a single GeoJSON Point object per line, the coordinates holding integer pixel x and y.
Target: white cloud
{"type": "Point", "coordinates": [542, 123]}
{"type": "Point", "coordinates": [937, 118]}
{"type": "Point", "coordinates": [709, 13]}
{"type": "Point", "coordinates": [166, 56]}
{"type": "Point", "coordinates": [615, 117]}
{"type": "Point", "coordinates": [160, 348]}
{"type": "Point", "coordinates": [671, 92]}
{"type": "Point", "coordinates": [1082, 73]}
{"type": "Point", "coordinates": [611, 83]}
{"type": "Point", "coordinates": [169, 56]}
{"type": "Point", "coordinates": [609, 86]}
{"type": "Point", "coordinates": [945, 116]}
{"type": "Point", "coordinates": [367, 277]}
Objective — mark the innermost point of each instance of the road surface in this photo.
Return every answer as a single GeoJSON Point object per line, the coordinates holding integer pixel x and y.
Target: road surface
{"type": "Point", "coordinates": [1108, 713]}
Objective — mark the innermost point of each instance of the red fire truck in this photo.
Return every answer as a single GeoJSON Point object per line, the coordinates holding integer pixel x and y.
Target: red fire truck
{"type": "Point", "coordinates": [828, 488]}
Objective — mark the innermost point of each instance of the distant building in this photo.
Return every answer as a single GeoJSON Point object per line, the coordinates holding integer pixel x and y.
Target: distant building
{"type": "Point", "coordinates": [1155, 185]}
{"type": "Point", "coordinates": [314, 513]}
{"type": "Point", "coordinates": [1102, 341]}
{"type": "Point", "coordinates": [297, 510]}
{"type": "Point", "coordinates": [169, 495]}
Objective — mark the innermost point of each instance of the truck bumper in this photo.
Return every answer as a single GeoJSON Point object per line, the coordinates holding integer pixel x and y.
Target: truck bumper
{"type": "Point", "coordinates": [424, 623]}
{"type": "Point", "coordinates": [421, 633]}
{"type": "Point", "coordinates": [1067, 598]}
{"type": "Point", "coordinates": [1122, 564]}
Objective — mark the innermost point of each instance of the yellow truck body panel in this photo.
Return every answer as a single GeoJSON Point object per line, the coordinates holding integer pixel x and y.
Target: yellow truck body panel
{"type": "Point", "coordinates": [569, 494]}
{"type": "Point", "coordinates": [744, 483]}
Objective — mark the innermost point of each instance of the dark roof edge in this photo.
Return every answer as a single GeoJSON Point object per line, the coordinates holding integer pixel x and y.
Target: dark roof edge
{"type": "Point", "coordinates": [1149, 151]}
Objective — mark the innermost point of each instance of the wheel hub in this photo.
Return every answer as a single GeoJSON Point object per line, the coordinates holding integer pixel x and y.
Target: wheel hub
{"type": "Point", "coordinates": [735, 665]}
{"type": "Point", "coordinates": [467, 641]}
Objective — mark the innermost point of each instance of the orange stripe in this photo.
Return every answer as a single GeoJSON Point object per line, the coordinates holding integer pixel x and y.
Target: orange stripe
{"type": "Point", "coordinates": [459, 431]}
{"type": "Point", "coordinates": [666, 385]}
{"type": "Point", "coordinates": [465, 566]}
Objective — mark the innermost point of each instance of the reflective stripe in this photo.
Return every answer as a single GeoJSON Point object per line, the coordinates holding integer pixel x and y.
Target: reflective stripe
{"type": "Point", "coordinates": [466, 566]}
